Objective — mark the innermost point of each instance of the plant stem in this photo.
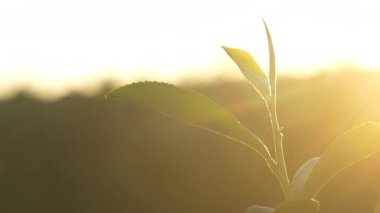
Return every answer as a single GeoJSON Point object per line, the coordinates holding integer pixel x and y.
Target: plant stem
{"type": "Point", "coordinates": [281, 171]}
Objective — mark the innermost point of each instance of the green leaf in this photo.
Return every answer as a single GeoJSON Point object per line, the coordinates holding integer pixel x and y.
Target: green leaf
{"type": "Point", "coordinates": [251, 70]}
{"type": "Point", "coordinates": [259, 209]}
{"type": "Point", "coordinates": [272, 60]}
{"type": "Point", "coordinates": [301, 176]}
{"type": "Point", "coordinates": [191, 108]}
{"type": "Point", "coordinates": [351, 147]}
{"type": "Point", "coordinates": [298, 205]}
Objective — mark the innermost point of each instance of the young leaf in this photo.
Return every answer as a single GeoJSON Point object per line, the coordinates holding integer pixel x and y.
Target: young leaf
{"type": "Point", "coordinates": [259, 209]}
{"type": "Point", "coordinates": [191, 108]}
{"type": "Point", "coordinates": [298, 205]}
{"type": "Point", "coordinates": [353, 146]}
{"type": "Point", "coordinates": [272, 60]}
{"type": "Point", "coordinates": [251, 70]}
{"type": "Point", "coordinates": [301, 176]}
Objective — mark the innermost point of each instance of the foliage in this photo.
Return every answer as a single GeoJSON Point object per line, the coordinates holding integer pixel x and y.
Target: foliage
{"type": "Point", "coordinates": [87, 154]}
{"type": "Point", "coordinates": [354, 145]}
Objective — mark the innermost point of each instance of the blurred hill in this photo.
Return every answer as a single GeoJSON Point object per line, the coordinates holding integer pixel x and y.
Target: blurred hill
{"type": "Point", "coordinates": [84, 154]}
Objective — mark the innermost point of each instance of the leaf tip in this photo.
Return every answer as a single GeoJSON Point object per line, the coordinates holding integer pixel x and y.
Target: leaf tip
{"type": "Point", "coordinates": [228, 50]}
{"type": "Point", "coordinates": [265, 24]}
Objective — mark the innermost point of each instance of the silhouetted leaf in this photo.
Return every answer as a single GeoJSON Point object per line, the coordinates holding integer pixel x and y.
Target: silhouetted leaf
{"type": "Point", "coordinates": [190, 108]}
{"type": "Point", "coordinates": [259, 209]}
{"type": "Point", "coordinates": [251, 70]}
{"type": "Point", "coordinates": [351, 147]}
{"type": "Point", "coordinates": [298, 206]}
{"type": "Point", "coordinates": [301, 176]}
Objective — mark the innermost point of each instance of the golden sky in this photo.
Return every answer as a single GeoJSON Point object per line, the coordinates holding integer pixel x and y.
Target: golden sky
{"type": "Point", "coordinates": [50, 45]}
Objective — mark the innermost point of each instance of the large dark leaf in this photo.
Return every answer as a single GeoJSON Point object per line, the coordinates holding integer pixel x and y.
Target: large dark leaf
{"type": "Point", "coordinates": [190, 108]}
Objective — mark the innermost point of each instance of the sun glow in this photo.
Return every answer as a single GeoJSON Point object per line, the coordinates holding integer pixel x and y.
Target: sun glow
{"type": "Point", "coordinates": [56, 44]}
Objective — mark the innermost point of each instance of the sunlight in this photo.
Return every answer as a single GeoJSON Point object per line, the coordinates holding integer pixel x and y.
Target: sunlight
{"type": "Point", "coordinates": [171, 40]}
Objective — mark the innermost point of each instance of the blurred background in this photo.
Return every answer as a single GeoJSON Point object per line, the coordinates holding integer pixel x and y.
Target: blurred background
{"type": "Point", "coordinates": [64, 148]}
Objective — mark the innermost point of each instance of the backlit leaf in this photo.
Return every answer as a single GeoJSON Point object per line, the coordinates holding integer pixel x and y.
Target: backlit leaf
{"type": "Point", "coordinates": [272, 59]}
{"type": "Point", "coordinates": [251, 70]}
{"type": "Point", "coordinates": [259, 209]}
{"type": "Point", "coordinates": [298, 205]}
{"type": "Point", "coordinates": [191, 108]}
{"type": "Point", "coordinates": [353, 146]}
{"type": "Point", "coordinates": [301, 176]}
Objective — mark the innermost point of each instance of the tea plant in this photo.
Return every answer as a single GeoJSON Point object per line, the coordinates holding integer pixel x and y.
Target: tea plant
{"type": "Point", "coordinates": [194, 109]}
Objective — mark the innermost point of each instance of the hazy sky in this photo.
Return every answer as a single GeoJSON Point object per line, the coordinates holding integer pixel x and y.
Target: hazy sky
{"type": "Point", "coordinates": [48, 44]}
